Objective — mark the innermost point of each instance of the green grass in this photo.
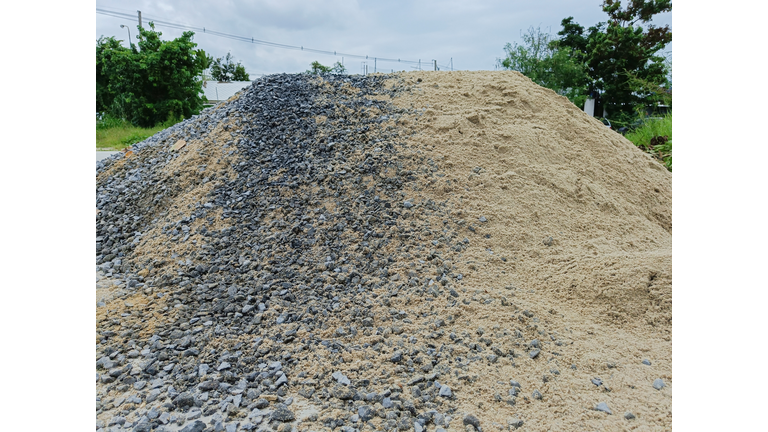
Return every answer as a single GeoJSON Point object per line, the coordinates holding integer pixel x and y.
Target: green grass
{"type": "Point", "coordinates": [643, 136]}
{"type": "Point", "coordinates": [116, 134]}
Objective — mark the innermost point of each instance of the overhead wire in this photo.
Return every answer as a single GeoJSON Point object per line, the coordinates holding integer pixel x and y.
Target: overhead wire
{"type": "Point", "coordinates": [253, 40]}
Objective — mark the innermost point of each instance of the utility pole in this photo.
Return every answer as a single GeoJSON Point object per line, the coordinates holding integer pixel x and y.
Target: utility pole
{"type": "Point", "coordinates": [139, 24]}
{"type": "Point", "coordinates": [451, 64]}
{"type": "Point", "coordinates": [419, 64]}
{"type": "Point", "coordinates": [435, 64]}
{"type": "Point", "coordinates": [374, 65]}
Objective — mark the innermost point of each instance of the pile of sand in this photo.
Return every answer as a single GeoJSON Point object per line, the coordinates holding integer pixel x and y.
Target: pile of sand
{"type": "Point", "coordinates": [584, 220]}
{"type": "Point", "coordinates": [558, 229]}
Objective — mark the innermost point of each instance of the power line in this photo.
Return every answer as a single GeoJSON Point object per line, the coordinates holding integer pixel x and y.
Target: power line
{"type": "Point", "coordinates": [252, 40]}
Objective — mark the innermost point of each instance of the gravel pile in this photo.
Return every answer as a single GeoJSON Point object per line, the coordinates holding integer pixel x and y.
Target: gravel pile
{"type": "Point", "coordinates": [283, 262]}
{"type": "Point", "coordinates": [282, 275]}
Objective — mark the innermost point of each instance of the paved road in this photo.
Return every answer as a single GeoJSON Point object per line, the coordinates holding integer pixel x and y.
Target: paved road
{"type": "Point", "coordinates": [104, 154]}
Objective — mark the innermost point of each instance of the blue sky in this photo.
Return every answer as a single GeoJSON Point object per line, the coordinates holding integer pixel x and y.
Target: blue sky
{"type": "Point", "coordinates": [472, 33]}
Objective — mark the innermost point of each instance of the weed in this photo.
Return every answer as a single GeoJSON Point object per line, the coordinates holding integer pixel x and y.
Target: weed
{"type": "Point", "coordinates": [647, 138]}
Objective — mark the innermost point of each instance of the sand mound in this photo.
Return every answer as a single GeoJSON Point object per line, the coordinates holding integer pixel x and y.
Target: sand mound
{"type": "Point", "coordinates": [419, 250]}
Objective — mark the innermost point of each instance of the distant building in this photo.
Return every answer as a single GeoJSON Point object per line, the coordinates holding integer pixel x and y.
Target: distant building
{"type": "Point", "coordinates": [217, 92]}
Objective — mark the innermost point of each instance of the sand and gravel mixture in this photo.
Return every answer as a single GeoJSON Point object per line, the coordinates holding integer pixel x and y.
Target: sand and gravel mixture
{"type": "Point", "coordinates": [417, 251]}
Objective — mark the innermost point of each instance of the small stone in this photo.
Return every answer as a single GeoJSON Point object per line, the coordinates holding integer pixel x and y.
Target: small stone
{"type": "Point", "coordinates": [548, 241]}
{"type": "Point", "coordinates": [537, 395]}
{"type": "Point", "coordinates": [223, 366]}
{"type": "Point", "coordinates": [597, 381]}
{"type": "Point", "coordinates": [533, 354]}
{"type": "Point", "coordinates": [208, 385]}
{"type": "Point", "coordinates": [341, 378]}
{"type": "Point", "coordinates": [365, 412]}
{"type": "Point", "coordinates": [184, 399]}
{"type": "Point", "coordinates": [646, 362]}
{"type": "Point", "coordinates": [469, 419]}
{"type": "Point", "coordinates": [602, 406]}
{"type": "Point", "coordinates": [417, 427]}
{"type": "Point", "coordinates": [407, 204]}
{"type": "Point", "coordinates": [515, 423]}
{"type": "Point", "coordinates": [197, 426]}
{"type": "Point", "coordinates": [445, 391]}
{"type": "Point", "coordinates": [629, 416]}
{"type": "Point", "coordinates": [343, 393]}
{"type": "Point", "coordinates": [658, 384]}
{"type": "Point", "coordinates": [282, 380]}
{"type": "Point", "coordinates": [282, 414]}
{"type": "Point", "coordinates": [514, 383]}
{"type": "Point", "coordinates": [483, 219]}
{"type": "Point", "coordinates": [261, 403]}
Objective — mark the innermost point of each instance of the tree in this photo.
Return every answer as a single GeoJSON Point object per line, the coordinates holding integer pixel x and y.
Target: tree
{"type": "Point", "coordinates": [240, 74]}
{"type": "Point", "coordinates": [156, 82]}
{"type": "Point", "coordinates": [205, 61]}
{"type": "Point", "coordinates": [541, 59]}
{"type": "Point", "coordinates": [338, 68]}
{"type": "Point", "coordinates": [318, 69]}
{"type": "Point", "coordinates": [620, 53]}
{"type": "Point", "coordinates": [225, 70]}
{"type": "Point", "coordinates": [107, 51]}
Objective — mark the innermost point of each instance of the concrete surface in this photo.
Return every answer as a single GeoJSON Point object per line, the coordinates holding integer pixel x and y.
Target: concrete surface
{"type": "Point", "coordinates": [104, 154]}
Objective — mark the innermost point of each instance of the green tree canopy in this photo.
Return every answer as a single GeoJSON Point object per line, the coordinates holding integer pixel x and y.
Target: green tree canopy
{"type": "Point", "coordinates": [151, 83]}
{"type": "Point", "coordinates": [225, 70]}
{"type": "Point", "coordinates": [319, 69]}
{"type": "Point", "coordinates": [622, 52]}
{"type": "Point", "coordinates": [541, 59]}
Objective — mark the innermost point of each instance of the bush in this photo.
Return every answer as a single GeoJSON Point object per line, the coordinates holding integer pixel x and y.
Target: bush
{"type": "Point", "coordinates": [147, 86]}
{"type": "Point", "coordinates": [655, 137]}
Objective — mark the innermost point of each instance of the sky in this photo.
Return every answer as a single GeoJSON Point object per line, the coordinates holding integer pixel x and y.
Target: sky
{"type": "Point", "coordinates": [470, 33]}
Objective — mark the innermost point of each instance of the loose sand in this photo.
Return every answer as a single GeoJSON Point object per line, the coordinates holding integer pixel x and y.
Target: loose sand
{"type": "Point", "coordinates": [536, 167]}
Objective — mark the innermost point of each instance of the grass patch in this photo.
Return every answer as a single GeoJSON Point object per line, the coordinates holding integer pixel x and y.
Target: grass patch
{"type": "Point", "coordinates": [650, 138]}
{"type": "Point", "coordinates": [118, 138]}
{"type": "Point", "coordinates": [117, 134]}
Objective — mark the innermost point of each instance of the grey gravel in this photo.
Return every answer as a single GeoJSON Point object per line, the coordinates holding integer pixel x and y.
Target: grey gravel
{"type": "Point", "coordinates": [629, 416]}
{"type": "Point", "coordinates": [658, 384]}
{"type": "Point", "coordinates": [196, 426]}
{"type": "Point", "coordinates": [470, 419]}
{"type": "Point", "coordinates": [365, 412]}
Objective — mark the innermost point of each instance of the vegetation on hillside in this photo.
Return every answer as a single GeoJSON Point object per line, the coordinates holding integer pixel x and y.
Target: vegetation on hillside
{"type": "Point", "coordinates": [117, 134]}
{"type": "Point", "coordinates": [655, 137]}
